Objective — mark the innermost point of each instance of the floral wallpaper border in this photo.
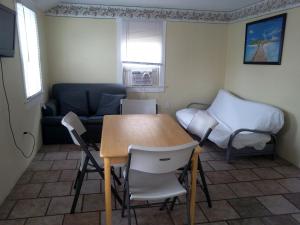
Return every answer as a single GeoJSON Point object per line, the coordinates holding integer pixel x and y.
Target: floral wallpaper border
{"type": "Point", "coordinates": [103, 11]}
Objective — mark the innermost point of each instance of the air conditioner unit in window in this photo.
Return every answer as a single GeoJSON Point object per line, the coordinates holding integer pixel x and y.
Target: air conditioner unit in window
{"type": "Point", "coordinates": [146, 77]}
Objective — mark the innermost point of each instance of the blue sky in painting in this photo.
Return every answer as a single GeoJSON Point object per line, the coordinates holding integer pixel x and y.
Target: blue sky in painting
{"type": "Point", "coordinates": [270, 31]}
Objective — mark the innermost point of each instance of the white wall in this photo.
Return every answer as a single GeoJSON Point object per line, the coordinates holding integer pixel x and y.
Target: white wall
{"type": "Point", "coordinates": [84, 50]}
{"type": "Point", "coordinates": [24, 117]}
{"type": "Point", "coordinates": [277, 85]}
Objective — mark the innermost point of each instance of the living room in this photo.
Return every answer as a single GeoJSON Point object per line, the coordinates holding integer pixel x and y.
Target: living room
{"type": "Point", "coordinates": [202, 51]}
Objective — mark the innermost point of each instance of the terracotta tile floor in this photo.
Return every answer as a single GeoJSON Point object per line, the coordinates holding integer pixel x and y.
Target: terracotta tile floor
{"type": "Point", "coordinates": [252, 191]}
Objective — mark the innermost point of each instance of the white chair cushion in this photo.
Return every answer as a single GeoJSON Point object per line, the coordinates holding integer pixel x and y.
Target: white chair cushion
{"type": "Point", "coordinates": [220, 136]}
{"type": "Point", "coordinates": [185, 116]}
{"type": "Point", "coordinates": [146, 186]}
{"type": "Point", "coordinates": [201, 123]}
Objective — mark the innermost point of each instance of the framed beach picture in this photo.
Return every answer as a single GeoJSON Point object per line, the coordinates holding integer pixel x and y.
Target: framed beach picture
{"type": "Point", "coordinates": [264, 41]}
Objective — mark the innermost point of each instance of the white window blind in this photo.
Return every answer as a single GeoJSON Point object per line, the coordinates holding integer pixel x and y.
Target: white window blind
{"type": "Point", "coordinates": [142, 54]}
{"type": "Point", "coordinates": [30, 52]}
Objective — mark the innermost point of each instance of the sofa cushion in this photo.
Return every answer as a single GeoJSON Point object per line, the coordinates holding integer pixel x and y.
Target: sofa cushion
{"type": "Point", "coordinates": [56, 120]}
{"type": "Point", "coordinates": [185, 116]}
{"type": "Point", "coordinates": [74, 101]}
{"type": "Point", "coordinates": [94, 120]}
{"type": "Point", "coordinates": [109, 105]}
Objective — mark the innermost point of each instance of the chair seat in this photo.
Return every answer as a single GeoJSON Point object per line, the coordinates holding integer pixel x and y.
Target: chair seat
{"type": "Point", "coordinates": [146, 186]}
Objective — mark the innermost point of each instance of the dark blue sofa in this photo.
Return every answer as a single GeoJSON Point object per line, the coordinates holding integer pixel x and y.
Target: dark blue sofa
{"type": "Point", "coordinates": [82, 99]}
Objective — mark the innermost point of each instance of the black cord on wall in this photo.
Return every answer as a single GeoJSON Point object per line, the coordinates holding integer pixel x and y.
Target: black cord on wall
{"type": "Point", "coordinates": [10, 124]}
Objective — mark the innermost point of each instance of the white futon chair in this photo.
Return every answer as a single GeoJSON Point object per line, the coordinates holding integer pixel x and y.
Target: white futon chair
{"type": "Point", "coordinates": [241, 126]}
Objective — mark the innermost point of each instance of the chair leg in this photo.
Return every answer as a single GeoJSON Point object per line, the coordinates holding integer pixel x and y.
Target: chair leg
{"type": "Point", "coordinates": [205, 188]}
{"type": "Point", "coordinates": [115, 177]}
{"type": "Point", "coordinates": [78, 186]}
{"type": "Point", "coordinates": [128, 208]}
{"type": "Point", "coordinates": [77, 177]}
{"type": "Point", "coordinates": [124, 202]}
{"type": "Point", "coordinates": [188, 216]}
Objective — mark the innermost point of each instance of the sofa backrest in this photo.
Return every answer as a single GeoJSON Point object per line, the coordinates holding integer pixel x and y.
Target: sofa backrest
{"type": "Point", "coordinates": [236, 113]}
{"type": "Point", "coordinates": [93, 91]}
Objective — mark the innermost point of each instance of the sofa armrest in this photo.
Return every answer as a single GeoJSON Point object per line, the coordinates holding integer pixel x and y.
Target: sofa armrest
{"type": "Point", "coordinates": [199, 104]}
{"type": "Point", "coordinates": [235, 133]}
{"type": "Point", "coordinates": [50, 108]}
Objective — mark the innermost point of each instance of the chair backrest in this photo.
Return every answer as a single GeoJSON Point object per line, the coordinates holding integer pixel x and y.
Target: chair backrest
{"type": "Point", "coordinates": [73, 123]}
{"type": "Point", "coordinates": [158, 160]}
{"type": "Point", "coordinates": [138, 106]}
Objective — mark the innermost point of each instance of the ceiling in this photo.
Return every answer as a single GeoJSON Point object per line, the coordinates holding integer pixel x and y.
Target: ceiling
{"type": "Point", "coordinates": [210, 5]}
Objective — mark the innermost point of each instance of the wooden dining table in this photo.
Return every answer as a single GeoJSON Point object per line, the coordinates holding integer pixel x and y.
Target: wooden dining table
{"type": "Point", "coordinates": [120, 131]}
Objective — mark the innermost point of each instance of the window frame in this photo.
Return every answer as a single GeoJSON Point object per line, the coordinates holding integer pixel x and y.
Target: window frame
{"type": "Point", "coordinates": [37, 97]}
{"type": "Point", "coordinates": [161, 87]}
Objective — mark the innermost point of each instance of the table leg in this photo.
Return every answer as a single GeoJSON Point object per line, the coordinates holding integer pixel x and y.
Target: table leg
{"type": "Point", "coordinates": [108, 208]}
{"type": "Point", "coordinates": [193, 187]}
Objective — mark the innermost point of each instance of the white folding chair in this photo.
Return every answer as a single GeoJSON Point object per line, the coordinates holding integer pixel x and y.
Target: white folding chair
{"type": "Point", "coordinates": [90, 157]}
{"type": "Point", "coordinates": [138, 106]}
{"type": "Point", "coordinates": [151, 174]}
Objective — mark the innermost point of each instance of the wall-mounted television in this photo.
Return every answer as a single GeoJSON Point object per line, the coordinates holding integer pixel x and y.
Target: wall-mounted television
{"type": "Point", "coordinates": [7, 31]}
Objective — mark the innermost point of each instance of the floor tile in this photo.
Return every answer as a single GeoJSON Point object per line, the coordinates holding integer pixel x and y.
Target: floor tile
{"type": "Point", "coordinates": [294, 198]}
{"type": "Point", "coordinates": [245, 189]}
{"type": "Point", "coordinates": [30, 208]}
{"type": "Point", "coordinates": [62, 205]}
{"type": "Point", "coordinates": [179, 215]}
{"type": "Point", "coordinates": [147, 216]}
{"type": "Point", "coordinates": [220, 177]}
{"type": "Point", "coordinates": [267, 173]}
{"type": "Point", "coordinates": [243, 164]}
{"type": "Point", "coordinates": [12, 222]}
{"type": "Point", "coordinates": [279, 220]}
{"type": "Point", "coordinates": [38, 156]}
{"type": "Point", "coordinates": [49, 148]}
{"type": "Point", "coordinates": [288, 171]}
{"type": "Point", "coordinates": [5, 208]}
{"type": "Point", "coordinates": [264, 162]}
{"type": "Point", "coordinates": [56, 189]}
{"type": "Point", "coordinates": [93, 202]}
{"type": "Point", "coordinates": [26, 177]}
{"type": "Point", "coordinates": [68, 175]}
{"type": "Point", "coordinates": [250, 221]}
{"type": "Point", "coordinates": [292, 184]}
{"type": "Point", "coordinates": [221, 210]}
{"type": "Point", "coordinates": [90, 187]}
{"type": "Point", "coordinates": [221, 165]}
{"type": "Point", "coordinates": [277, 204]}
{"type": "Point", "coordinates": [219, 192]}
{"type": "Point", "coordinates": [55, 156]}
{"type": "Point", "coordinates": [24, 191]}
{"type": "Point", "coordinates": [45, 176]}
{"type": "Point", "coordinates": [249, 207]}
{"type": "Point", "coordinates": [47, 220]}
{"type": "Point", "coordinates": [206, 167]}
{"type": "Point", "coordinates": [117, 218]}
{"type": "Point", "coordinates": [69, 148]}
{"type": "Point", "coordinates": [270, 187]}
{"type": "Point", "coordinates": [218, 155]}
{"type": "Point", "coordinates": [215, 223]}
{"type": "Point", "coordinates": [75, 155]}
{"type": "Point", "coordinates": [40, 165]}
{"type": "Point", "coordinates": [92, 218]}
{"type": "Point", "coordinates": [64, 165]}
{"type": "Point", "coordinates": [94, 176]}
{"type": "Point", "coordinates": [244, 175]}
{"type": "Point", "coordinates": [296, 217]}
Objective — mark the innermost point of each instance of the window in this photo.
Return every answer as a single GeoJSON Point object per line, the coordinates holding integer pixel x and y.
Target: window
{"type": "Point", "coordinates": [142, 55]}
{"type": "Point", "coordinates": [30, 53]}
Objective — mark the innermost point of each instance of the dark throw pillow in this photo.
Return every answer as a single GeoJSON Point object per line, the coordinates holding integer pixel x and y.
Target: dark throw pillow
{"type": "Point", "coordinates": [109, 105]}
{"type": "Point", "coordinates": [75, 101]}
